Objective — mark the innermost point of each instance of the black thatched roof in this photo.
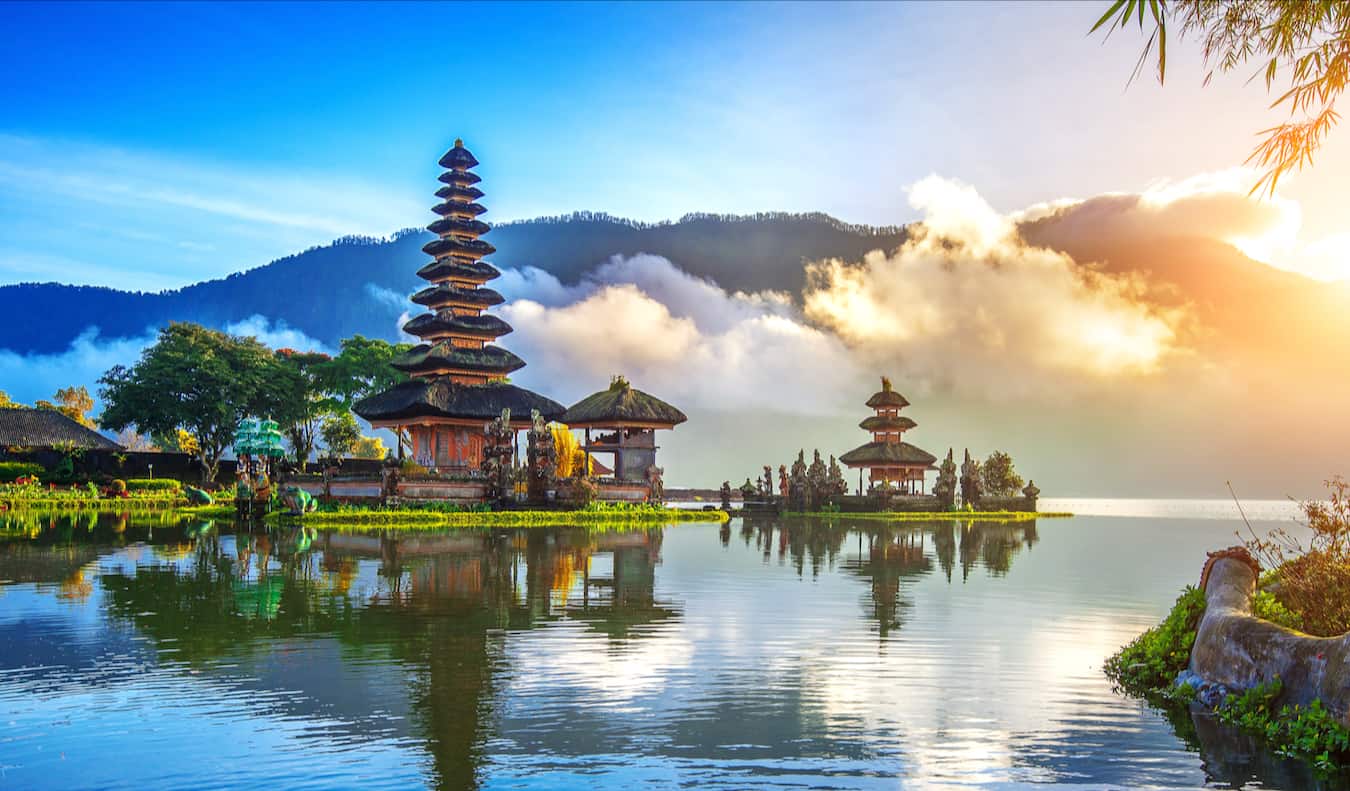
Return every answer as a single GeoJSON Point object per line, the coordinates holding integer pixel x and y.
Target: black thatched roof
{"type": "Point", "coordinates": [444, 268]}
{"type": "Point", "coordinates": [458, 157]}
{"type": "Point", "coordinates": [883, 423]}
{"type": "Point", "coordinates": [468, 248]}
{"type": "Point", "coordinates": [484, 326]}
{"type": "Point", "coordinates": [622, 403]}
{"type": "Point", "coordinates": [44, 428]}
{"type": "Point", "coordinates": [444, 293]}
{"type": "Point", "coordinates": [886, 397]}
{"type": "Point", "coordinates": [888, 454]}
{"type": "Point", "coordinates": [443, 354]}
{"type": "Point", "coordinates": [455, 177]}
{"type": "Point", "coordinates": [453, 191]}
{"type": "Point", "coordinates": [442, 398]}
{"type": "Point", "coordinates": [451, 206]}
{"type": "Point", "coordinates": [452, 224]}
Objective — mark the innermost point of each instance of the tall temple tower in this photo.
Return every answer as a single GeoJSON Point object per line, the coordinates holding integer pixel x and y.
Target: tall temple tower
{"type": "Point", "coordinates": [888, 459]}
{"type": "Point", "coordinates": [458, 377]}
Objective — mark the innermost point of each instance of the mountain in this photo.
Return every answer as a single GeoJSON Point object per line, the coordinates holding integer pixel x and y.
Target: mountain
{"type": "Point", "coordinates": [306, 290]}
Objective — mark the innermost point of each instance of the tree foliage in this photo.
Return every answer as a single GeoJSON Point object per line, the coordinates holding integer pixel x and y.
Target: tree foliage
{"type": "Point", "coordinates": [305, 402]}
{"type": "Point", "coordinates": [340, 433]}
{"type": "Point", "coordinates": [998, 475]}
{"type": "Point", "coordinates": [369, 448]}
{"type": "Point", "coordinates": [361, 369]}
{"type": "Point", "coordinates": [1299, 47]}
{"type": "Point", "coordinates": [195, 379]}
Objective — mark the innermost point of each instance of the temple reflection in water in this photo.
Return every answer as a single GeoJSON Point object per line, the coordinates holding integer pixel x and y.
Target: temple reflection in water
{"type": "Point", "coordinates": [477, 655]}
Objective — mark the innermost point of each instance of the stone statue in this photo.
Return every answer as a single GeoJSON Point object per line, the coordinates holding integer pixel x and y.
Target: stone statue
{"type": "Point", "coordinates": [658, 487]}
{"type": "Point", "coordinates": [945, 486]}
{"type": "Point", "coordinates": [817, 481]}
{"type": "Point", "coordinates": [298, 501]}
{"type": "Point", "coordinates": [783, 482]}
{"type": "Point", "coordinates": [1031, 493]}
{"type": "Point", "coordinates": [497, 455]}
{"type": "Point", "coordinates": [799, 486]}
{"type": "Point", "coordinates": [837, 485]}
{"type": "Point", "coordinates": [971, 486]}
{"type": "Point", "coordinates": [726, 495]}
{"type": "Point", "coordinates": [766, 483]}
{"type": "Point", "coordinates": [541, 456]}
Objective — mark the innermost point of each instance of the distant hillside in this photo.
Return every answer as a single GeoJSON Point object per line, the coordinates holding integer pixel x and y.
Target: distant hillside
{"type": "Point", "coordinates": [326, 291]}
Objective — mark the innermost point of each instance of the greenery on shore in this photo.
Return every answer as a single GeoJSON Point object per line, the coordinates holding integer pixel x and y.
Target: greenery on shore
{"type": "Point", "coordinates": [1307, 588]}
{"type": "Point", "coordinates": [416, 516]}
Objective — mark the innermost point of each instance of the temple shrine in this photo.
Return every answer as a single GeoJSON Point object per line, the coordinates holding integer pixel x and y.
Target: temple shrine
{"type": "Point", "coordinates": [457, 375]}
{"type": "Point", "coordinates": [631, 418]}
{"type": "Point", "coordinates": [890, 462]}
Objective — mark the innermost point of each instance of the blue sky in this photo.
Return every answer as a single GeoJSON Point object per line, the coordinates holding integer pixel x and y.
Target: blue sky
{"type": "Point", "coordinates": [150, 146]}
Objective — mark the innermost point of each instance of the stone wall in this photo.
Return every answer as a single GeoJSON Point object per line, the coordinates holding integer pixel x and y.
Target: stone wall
{"type": "Point", "coordinates": [1018, 503]}
{"type": "Point", "coordinates": [868, 503]}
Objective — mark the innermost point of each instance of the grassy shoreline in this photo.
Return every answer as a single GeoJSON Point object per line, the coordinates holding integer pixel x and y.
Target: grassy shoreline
{"type": "Point", "coordinates": [93, 504]}
{"type": "Point", "coordinates": [429, 518]}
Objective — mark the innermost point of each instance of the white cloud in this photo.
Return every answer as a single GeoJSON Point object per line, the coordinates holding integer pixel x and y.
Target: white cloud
{"type": "Point", "coordinates": [277, 335]}
{"type": "Point", "coordinates": [966, 306]}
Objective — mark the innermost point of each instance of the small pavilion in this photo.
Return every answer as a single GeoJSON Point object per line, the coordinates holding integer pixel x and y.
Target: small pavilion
{"type": "Point", "coordinates": [631, 418]}
{"type": "Point", "coordinates": [888, 459]}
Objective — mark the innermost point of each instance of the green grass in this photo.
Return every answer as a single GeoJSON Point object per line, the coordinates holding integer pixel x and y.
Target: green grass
{"type": "Point", "coordinates": [133, 503]}
{"type": "Point", "coordinates": [417, 518]}
{"type": "Point", "coordinates": [928, 516]}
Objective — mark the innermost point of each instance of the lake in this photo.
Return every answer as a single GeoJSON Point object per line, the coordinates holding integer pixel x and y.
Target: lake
{"type": "Point", "coordinates": [154, 653]}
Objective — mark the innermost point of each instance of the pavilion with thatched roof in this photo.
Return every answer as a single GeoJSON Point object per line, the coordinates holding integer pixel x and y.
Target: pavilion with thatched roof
{"type": "Point", "coordinates": [632, 418]}
{"type": "Point", "coordinates": [28, 427]}
{"type": "Point", "coordinates": [890, 461]}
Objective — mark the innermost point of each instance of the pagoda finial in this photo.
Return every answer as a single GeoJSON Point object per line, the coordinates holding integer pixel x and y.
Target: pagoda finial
{"type": "Point", "coordinates": [459, 142]}
{"type": "Point", "coordinates": [618, 382]}
{"type": "Point", "coordinates": [886, 384]}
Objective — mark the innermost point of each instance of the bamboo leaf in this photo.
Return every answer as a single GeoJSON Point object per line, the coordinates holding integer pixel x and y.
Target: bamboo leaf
{"type": "Point", "coordinates": [1110, 12]}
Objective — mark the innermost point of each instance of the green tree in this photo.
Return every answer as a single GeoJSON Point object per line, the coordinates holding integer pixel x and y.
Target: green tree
{"type": "Point", "coordinates": [361, 369]}
{"type": "Point", "coordinates": [195, 379]}
{"type": "Point", "coordinates": [306, 401]}
{"type": "Point", "coordinates": [6, 401]}
{"type": "Point", "coordinates": [340, 433]}
{"type": "Point", "coordinates": [1303, 46]}
{"type": "Point", "coordinates": [998, 475]}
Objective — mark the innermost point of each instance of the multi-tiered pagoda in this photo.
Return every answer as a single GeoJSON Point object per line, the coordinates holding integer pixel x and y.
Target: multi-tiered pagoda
{"type": "Point", "coordinates": [890, 461]}
{"type": "Point", "coordinates": [458, 377]}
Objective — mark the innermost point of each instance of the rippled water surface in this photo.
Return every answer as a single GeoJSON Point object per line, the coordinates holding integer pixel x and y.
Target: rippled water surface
{"type": "Point", "coordinates": [769, 654]}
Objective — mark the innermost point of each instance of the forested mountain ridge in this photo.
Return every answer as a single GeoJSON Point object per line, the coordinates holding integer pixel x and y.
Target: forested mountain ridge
{"type": "Point", "coordinates": [332, 292]}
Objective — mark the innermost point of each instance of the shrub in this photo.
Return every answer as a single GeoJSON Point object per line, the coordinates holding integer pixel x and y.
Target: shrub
{"type": "Point", "coordinates": [11, 471]}
{"type": "Point", "coordinates": [156, 485]}
{"type": "Point", "coordinates": [1151, 662]}
{"type": "Point", "coordinates": [1314, 581]}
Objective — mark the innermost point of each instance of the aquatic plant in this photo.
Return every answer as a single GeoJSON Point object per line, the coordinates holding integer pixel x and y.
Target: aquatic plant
{"type": "Point", "coordinates": [1149, 664]}
{"type": "Point", "coordinates": [1309, 731]}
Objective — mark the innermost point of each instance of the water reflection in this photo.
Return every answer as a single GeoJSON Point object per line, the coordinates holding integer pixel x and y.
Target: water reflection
{"type": "Point", "coordinates": [841, 652]}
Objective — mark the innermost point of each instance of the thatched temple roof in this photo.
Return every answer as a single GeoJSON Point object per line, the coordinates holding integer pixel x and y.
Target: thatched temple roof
{"type": "Point", "coordinates": [886, 423]}
{"type": "Point", "coordinates": [887, 398]}
{"type": "Point", "coordinates": [458, 157]}
{"type": "Point", "coordinates": [888, 454]}
{"type": "Point", "coordinates": [622, 404]}
{"type": "Point", "coordinates": [426, 357]}
{"type": "Point", "coordinates": [468, 248]}
{"type": "Point", "coordinates": [445, 293]}
{"type": "Point", "coordinates": [466, 194]}
{"type": "Point", "coordinates": [458, 225]}
{"type": "Point", "coordinates": [43, 428]}
{"type": "Point", "coordinates": [422, 398]}
{"type": "Point", "coordinates": [443, 268]}
{"type": "Point", "coordinates": [484, 326]}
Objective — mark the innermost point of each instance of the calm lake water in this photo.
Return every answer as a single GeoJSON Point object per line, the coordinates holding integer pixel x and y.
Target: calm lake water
{"type": "Point", "coordinates": [771, 654]}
